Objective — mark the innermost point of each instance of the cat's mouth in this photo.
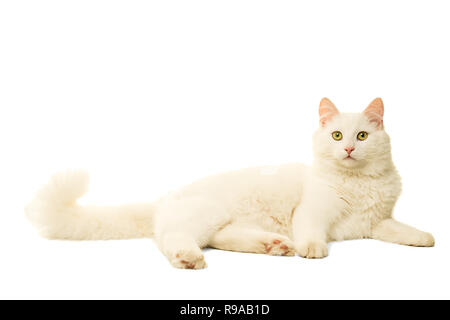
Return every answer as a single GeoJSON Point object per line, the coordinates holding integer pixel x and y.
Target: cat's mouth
{"type": "Point", "coordinates": [349, 157]}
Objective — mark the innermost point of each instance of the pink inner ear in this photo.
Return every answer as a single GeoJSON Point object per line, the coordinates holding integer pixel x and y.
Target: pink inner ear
{"type": "Point", "coordinates": [327, 110]}
{"type": "Point", "coordinates": [375, 112]}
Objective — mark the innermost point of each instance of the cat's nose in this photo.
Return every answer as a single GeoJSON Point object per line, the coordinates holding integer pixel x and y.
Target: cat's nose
{"type": "Point", "coordinates": [349, 149]}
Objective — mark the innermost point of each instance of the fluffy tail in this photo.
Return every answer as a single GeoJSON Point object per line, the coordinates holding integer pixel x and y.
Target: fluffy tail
{"type": "Point", "coordinates": [56, 214]}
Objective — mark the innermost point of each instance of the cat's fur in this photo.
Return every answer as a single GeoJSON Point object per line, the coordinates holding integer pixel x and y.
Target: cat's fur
{"type": "Point", "coordinates": [273, 210]}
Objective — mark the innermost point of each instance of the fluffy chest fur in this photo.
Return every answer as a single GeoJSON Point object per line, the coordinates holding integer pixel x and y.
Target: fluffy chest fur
{"type": "Point", "coordinates": [368, 200]}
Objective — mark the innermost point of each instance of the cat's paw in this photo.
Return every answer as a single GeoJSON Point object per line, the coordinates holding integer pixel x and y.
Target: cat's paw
{"type": "Point", "coordinates": [188, 260]}
{"type": "Point", "coordinates": [312, 250]}
{"type": "Point", "coordinates": [424, 239]}
{"type": "Point", "coordinates": [279, 246]}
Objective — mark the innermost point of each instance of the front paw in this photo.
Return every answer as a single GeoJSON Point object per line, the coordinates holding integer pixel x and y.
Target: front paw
{"type": "Point", "coordinates": [312, 249]}
{"type": "Point", "coordinates": [425, 239]}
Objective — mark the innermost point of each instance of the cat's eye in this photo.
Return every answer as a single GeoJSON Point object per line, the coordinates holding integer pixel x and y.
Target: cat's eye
{"type": "Point", "coordinates": [362, 136]}
{"type": "Point", "coordinates": [337, 135]}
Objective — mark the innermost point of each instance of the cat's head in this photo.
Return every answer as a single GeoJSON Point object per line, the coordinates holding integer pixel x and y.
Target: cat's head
{"type": "Point", "coordinates": [352, 140]}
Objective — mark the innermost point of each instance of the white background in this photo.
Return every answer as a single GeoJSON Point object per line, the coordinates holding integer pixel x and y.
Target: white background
{"type": "Point", "coordinates": [149, 96]}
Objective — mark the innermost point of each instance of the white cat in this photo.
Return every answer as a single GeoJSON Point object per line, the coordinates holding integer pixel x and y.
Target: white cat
{"type": "Point", "coordinates": [348, 193]}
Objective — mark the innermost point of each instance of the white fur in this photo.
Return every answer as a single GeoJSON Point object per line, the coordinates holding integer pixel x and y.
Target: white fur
{"type": "Point", "coordinates": [273, 210]}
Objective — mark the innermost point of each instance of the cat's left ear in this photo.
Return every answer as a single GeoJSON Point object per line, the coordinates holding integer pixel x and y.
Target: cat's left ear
{"type": "Point", "coordinates": [327, 110]}
{"type": "Point", "coordinates": [375, 112]}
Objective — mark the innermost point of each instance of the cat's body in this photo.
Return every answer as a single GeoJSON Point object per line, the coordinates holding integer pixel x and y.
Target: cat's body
{"type": "Point", "coordinates": [348, 193]}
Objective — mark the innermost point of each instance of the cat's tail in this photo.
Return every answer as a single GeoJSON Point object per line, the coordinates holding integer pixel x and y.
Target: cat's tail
{"type": "Point", "coordinates": [56, 214]}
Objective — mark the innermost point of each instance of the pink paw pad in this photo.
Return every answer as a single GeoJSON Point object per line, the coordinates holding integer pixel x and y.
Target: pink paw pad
{"type": "Point", "coordinates": [188, 264]}
{"type": "Point", "coordinates": [278, 247]}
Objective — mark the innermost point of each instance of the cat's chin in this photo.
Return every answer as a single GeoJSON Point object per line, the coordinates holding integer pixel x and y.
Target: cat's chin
{"type": "Point", "coordinates": [350, 163]}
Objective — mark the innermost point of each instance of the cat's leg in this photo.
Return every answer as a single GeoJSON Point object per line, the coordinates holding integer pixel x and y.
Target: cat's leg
{"type": "Point", "coordinates": [312, 219]}
{"type": "Point", "coordinates": [184, 226]}
{"type": "Point", "coordinates": [246, 239]}
{"type": "Point", "coordinates": [310, 234]}
{"type": "Point", "coordinates": [390, 230]}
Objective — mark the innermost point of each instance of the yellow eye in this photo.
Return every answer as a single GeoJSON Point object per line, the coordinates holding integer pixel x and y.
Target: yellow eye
{"type": "Point", "coordinates": [362, 136]}
{"type": "Point", "coordinates": [337, 135]}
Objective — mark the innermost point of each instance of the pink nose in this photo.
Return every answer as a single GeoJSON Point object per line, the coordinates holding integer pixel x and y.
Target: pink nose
{"type": "Point", "coordinates": [349, 149]}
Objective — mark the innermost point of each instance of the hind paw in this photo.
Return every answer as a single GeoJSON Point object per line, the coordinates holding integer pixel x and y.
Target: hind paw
{"type": "Point", "coordinates": [188, 260]}
{"type": "Point", "coordinates": [279, 246]}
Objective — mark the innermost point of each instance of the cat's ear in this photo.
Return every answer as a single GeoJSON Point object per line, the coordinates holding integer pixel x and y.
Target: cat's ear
{"type": "Point", "coordinates": [375, 112]}
{"type": "Point", "coordinates": [327, 110]}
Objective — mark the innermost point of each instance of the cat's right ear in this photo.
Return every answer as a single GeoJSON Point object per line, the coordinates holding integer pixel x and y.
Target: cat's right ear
{"type": "Point", "coordinates": [375, 112]}
{"type": "Point", "coordinates": [327, 110]}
